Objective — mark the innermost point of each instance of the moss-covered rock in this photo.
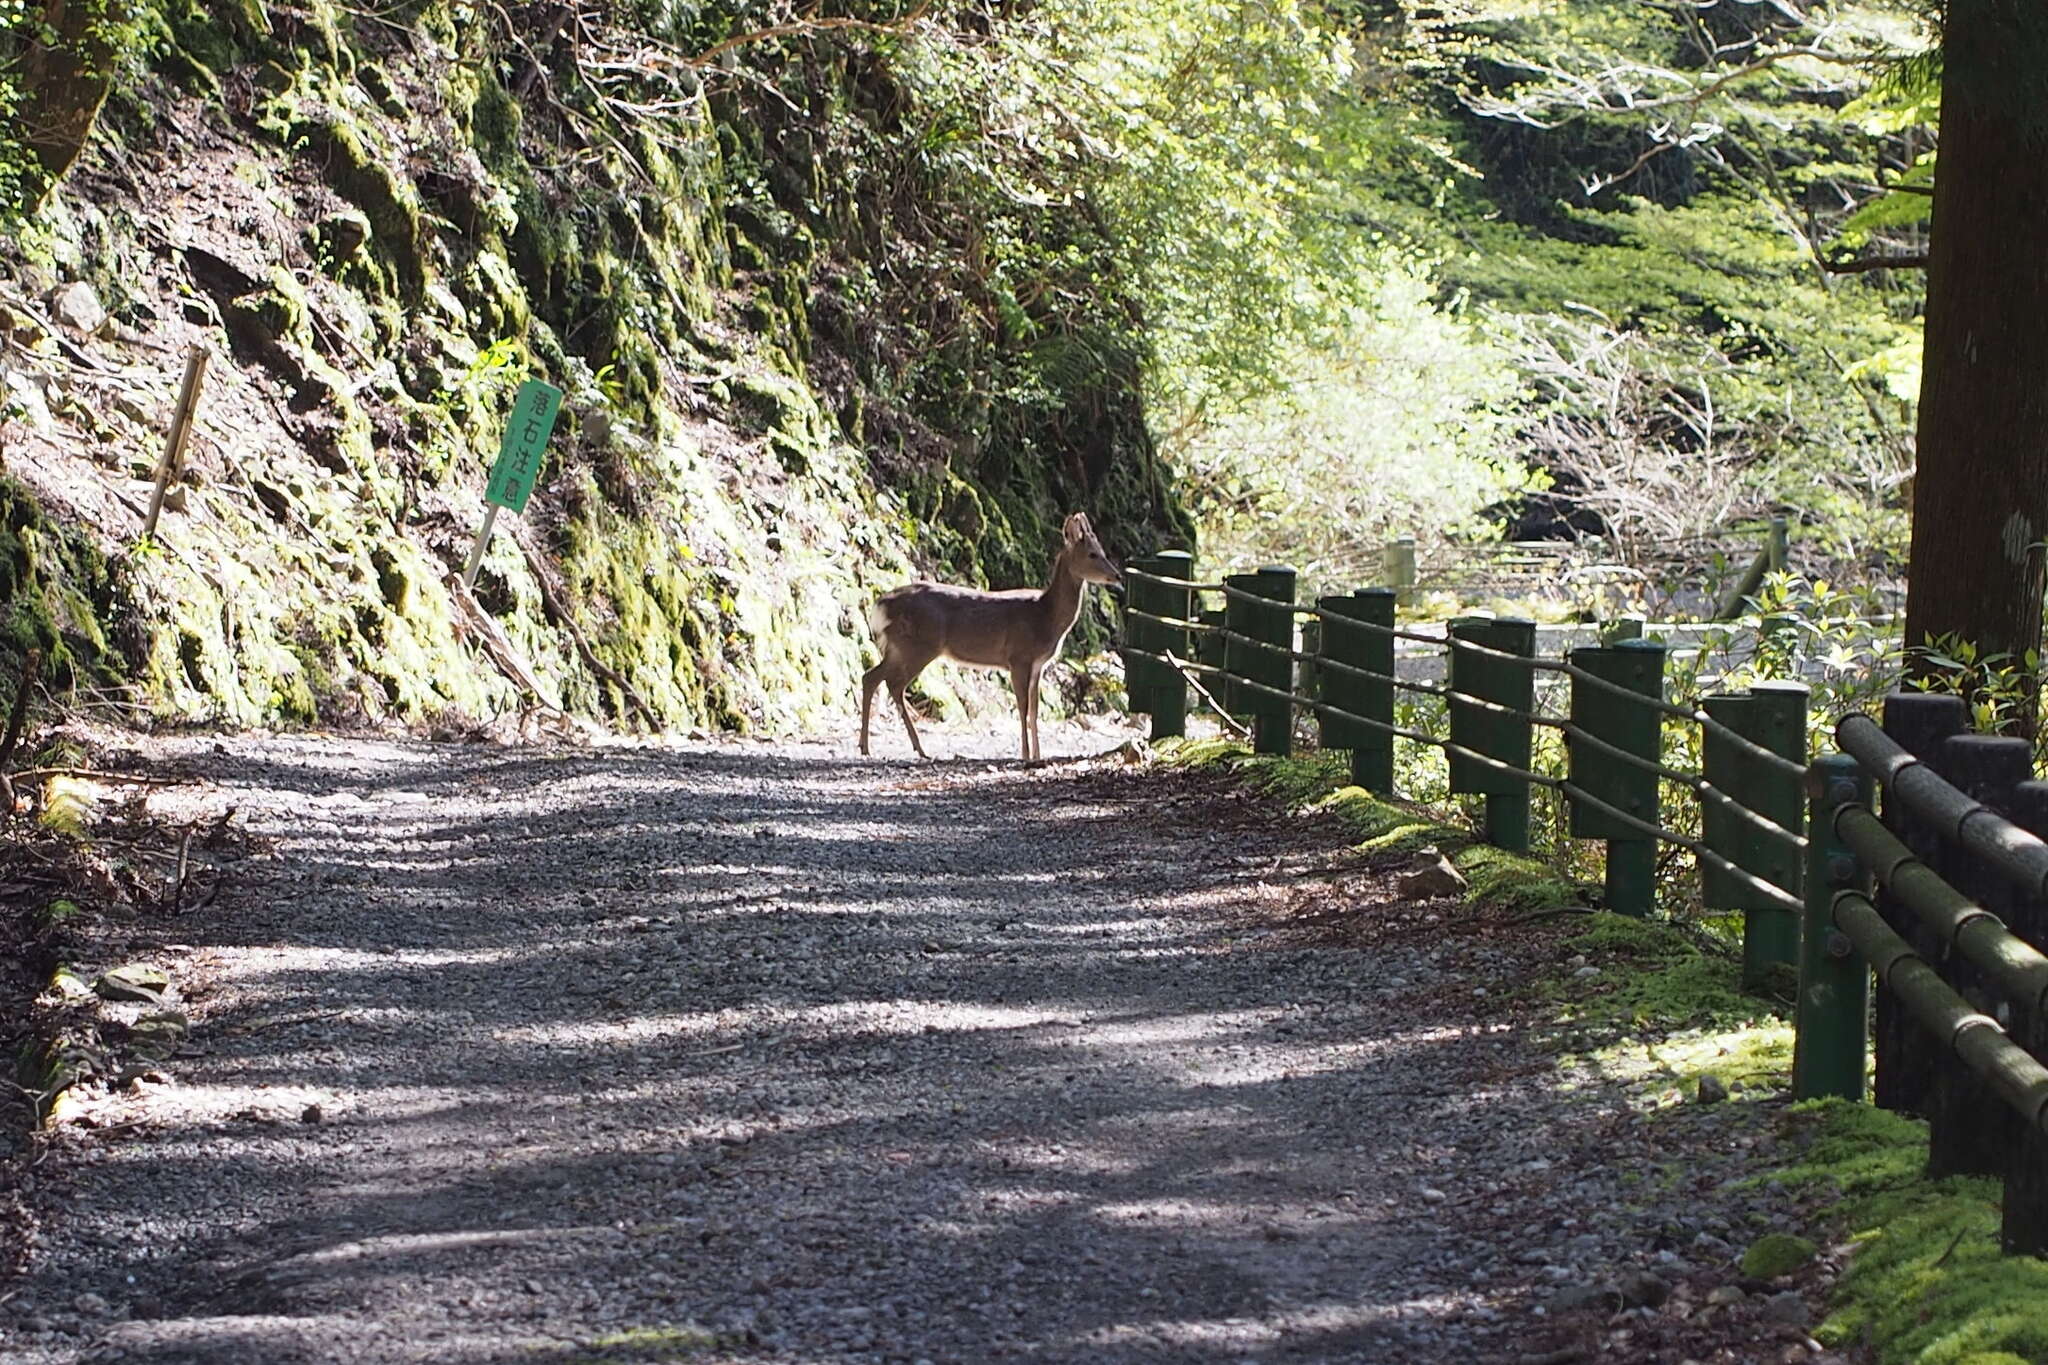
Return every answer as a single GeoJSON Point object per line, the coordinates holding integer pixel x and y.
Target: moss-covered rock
{"type": "Point", "coordinates": [1775, 1254]}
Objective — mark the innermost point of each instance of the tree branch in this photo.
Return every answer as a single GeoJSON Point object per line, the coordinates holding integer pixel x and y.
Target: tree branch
{"type": "Point", "coordinates": [1857, 265]}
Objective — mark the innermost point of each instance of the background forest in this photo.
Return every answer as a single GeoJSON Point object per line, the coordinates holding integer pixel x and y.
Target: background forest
{"type": "Point", "coordinates": [839, 292]}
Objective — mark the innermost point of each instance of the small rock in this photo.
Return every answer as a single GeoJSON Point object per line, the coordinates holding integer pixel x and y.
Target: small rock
{"type": "Point", "coordinates": [1433, 1196]}
{"type": "Point", "coordinates": [1788, 1309]}
{"type": "Point", "coordinates": [1641, 1289]}
{"type": "Point", "coordinates": [1711, 1090]}
{"type": "Point", "coordinates": [133, 981]}
{"type": "Point", "coordinates": [341, 235]}
{"type": "Point", "coordinates": [1586, 973]}
{"type": "Point", "coordinates": [91, 1304]}
{"type": "Point", "coordinates": [77, 307]}
{"type": "Point", "coordinates": [1724, 1294]}
{"type": "Point", "coordinates": [312, 1113]}
{"type": "Point", "coordinates": [1571, 1296]}
{"type": "Point", "coordinates": [1432, 876]}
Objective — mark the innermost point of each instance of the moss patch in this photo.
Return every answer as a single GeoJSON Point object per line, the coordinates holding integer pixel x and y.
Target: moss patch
{"type": "Point", "coordinates": [1657, 977]}
{"type": "Point", "coordinates": [1927, 1285]}
{"type": "Point", "coordinates": [56, 591]}
{"type": "Point", "coordinates": [1318, 781]}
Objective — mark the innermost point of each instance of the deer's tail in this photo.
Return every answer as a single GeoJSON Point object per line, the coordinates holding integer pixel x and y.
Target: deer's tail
{"type": "Point", "coordinates": [881, 615]}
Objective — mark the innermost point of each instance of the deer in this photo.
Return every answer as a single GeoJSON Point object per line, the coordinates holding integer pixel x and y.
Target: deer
{"type": "Point", "coordinates": [1020, 629]}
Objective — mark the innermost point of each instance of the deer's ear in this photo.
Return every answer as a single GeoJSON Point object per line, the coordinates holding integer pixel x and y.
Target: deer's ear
{"type": "Point", "coordinates": [1077, 527]}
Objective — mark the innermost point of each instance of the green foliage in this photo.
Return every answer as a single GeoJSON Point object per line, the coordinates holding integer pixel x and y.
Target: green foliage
{"type": "Point", "coordinates": [19, 25]}
{"type": "Point", "coordinates": [1397, 424]}
{"type": "Point", "coordinates": [2001, 689]}
{"type": "Point", "coordinates": [105, 38]}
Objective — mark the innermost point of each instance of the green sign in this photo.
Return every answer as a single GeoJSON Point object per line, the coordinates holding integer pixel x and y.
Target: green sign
{"type": "Point", "coordinates": [526, 436]}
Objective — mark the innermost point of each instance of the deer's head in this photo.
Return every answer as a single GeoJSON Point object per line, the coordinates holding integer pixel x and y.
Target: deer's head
{"type": "Point", "coordinates": [1091, 564]}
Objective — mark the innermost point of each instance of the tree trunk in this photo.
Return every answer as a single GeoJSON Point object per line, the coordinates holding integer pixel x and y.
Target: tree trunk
{"type": "Point", "coordinates": [65, 82]}
{"type": "Point", "coordinates": [1980, 495]}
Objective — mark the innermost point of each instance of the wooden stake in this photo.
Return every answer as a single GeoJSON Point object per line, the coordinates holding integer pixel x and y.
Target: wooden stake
{"type": "Point", "coordinates": [483, 538]}
{"type": "Point", "coordinates": [181, 431]}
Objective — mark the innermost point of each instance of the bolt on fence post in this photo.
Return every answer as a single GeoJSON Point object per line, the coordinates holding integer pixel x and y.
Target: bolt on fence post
{"type": "Point", "coordinates": [1262, 655]}
{"type": "Point", "coordinates": [1834, 980]}
{"type": "Point", "coordinates": [2025, 1224]}
{"type": "Point", "coordinates": [1170, 692]}
{"type": "Point", "coordinates": [1773, 715]}
{"type": "Point", "coordinates": [1919, 722]}
{"type": "Point", "coordinates": [1970, 1129]}
{"type": "Point", "coordinates": [1372, 751]}
{"type": "Point", "coordinates": [1397, 566]}
{"type": "Point", "coordinates": [1638, 665]}
{"type": "Point", "coordinates": [1503, 738]}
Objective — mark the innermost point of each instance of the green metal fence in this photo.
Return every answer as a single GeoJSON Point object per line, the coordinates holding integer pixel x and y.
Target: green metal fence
{"type": "Point", "coordinates": [1944, 898]}
{"type": "Point", "coordinates": [1248, 660]}
{"type": "Point", "coordinates": [1939, 897]}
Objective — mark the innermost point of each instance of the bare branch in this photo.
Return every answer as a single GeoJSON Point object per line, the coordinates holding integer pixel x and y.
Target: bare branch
{"type": "Point", "coordinates": [1857, 265]}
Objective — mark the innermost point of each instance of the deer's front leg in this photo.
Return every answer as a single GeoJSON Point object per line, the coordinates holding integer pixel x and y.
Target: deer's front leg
{"type": "Point", "coordinates": [1020, 683]}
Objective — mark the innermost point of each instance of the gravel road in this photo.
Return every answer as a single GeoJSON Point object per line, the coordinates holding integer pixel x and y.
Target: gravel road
{"type": "Point", "coordinates": [752, 1053]}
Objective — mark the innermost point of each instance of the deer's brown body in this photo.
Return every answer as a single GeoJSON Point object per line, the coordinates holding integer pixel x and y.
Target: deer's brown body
{"type": "Point", "coordinates": [1019, 630]}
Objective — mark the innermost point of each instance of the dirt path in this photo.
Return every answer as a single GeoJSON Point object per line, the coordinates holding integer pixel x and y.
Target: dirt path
{"type": "Point", "coordinates": [774, 1055]}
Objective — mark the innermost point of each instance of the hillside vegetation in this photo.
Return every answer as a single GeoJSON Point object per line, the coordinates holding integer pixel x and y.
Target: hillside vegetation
{"type": "Point", "coordinates": [806, 347]}
{"type": "Point", "coordinates": [844, 293]}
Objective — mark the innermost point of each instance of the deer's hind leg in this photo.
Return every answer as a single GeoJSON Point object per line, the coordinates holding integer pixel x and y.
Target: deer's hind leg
{"type": "Point", "coordinates": [868, 682]}
{"type": "Point", "coordinates": [899, 668]}
{"type": "Point", "coordinates": [1024, 682]}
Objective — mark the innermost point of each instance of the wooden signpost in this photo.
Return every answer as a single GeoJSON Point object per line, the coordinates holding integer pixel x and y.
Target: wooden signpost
{"type": "Point", "coordinates": [173, 459]}
{"type": "Point", "coordinates": [512, 478]}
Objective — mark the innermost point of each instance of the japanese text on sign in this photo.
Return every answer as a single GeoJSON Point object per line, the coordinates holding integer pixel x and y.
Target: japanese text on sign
{"type": "Point", "coordinates": [526, 435]}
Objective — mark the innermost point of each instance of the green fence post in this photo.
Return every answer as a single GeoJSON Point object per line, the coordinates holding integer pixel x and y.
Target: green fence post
{"type": "Point", "coordinates": [1372, 750]}
{"type": "Point", "coordinates": [1170, 692]}
{"type": "Point", "coordinates": [1209, 651]}
{"type": "Point", "coordinates": [1397, 566]}
{"type": "Point", "coordinates": [1905, 1057]}
{"type": "Point", "coordinates": [1260, 652]}
{"type": "Point", "coordinates": [1504, 738]}
{"type": "Point", "coordinates": [1638, 665]}
{"type": "Point", "coordinates": [1774, 716]}
{"type": "Point", "coordinates": [1779, 548]}
{"type": "Point", "coordinates": [1834, 980]}
{"type": "Point", "coordinates": [1970, 1128]}
{"type": "Point", "coordinates": [1141, 675]}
